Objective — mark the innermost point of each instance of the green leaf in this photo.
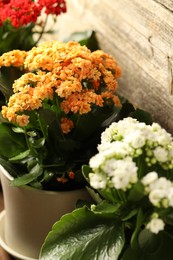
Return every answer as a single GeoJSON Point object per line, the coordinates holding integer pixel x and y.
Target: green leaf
{"type": "Point", "coordinates": [168, 219]}
{"type": "Point", "coordinates": [7, 77]}
{"type": "Point", "coordinates": [88, 124]}
{"type": "Point", "coordinates": [83, 235]}
{"type": "Point", "coordinates": [142, 116]}
{"type": "Point", "coordinates": [8, 167]}
{"type": "Point", "coordinates": [87, 38]}
{"type": "Point", "coordinates": [107, 209]}
{"type": "Point", "coordinates": [130, 215]}
{"type": "Point", "coordinates": [16, 38]}
{"type": "Point", "coordinates": [148, 241]}
{"type": "Point", "coordinates": [20, 156]}
{"type": "Point", "coordinates": [86, 170]}
{"type": "Point", "coordinates": [18, 130]}
{"type": "Point", "coordinates": [137, 192]}
{"type": "Point", "coordinates": [11, 143]}
{"type": "Point", "coordinates": [95, 195]}
{"type": "Point", "coordinates": [31, 133]}
{"type": "Point", "coordinates": [131, 254]}
{"type": "Point", "coordinates": [110, 195]}
{"type": "Point", "coordinates": [27, 178]}
{"type": "Point", "coordinates": [156, 246]}
{"type": "Point", "coordinates": [38, 143]}
{"type": "Point", "coordinates": [125, 110]}
{"type": "Point", "coordinates": [139, 222]}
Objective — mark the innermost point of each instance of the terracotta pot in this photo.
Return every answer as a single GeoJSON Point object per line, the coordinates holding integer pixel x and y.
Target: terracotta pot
{"type": "Point", "coordinates": [30, 214]}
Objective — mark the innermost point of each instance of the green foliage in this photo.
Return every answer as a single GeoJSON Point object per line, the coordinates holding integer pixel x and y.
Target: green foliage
{"type": "Point", "coordinates": [87, 38]}
{"type": "Point", "coordinates": [16, 38]}
{"type": "Point", "coordinates": [11, 143]}
{"type": "Point", "coordinates": [43, 141]}
{"type": "Point", "coordinates": [7, 77]}
{"type": "Point", "coordinates": [147, 226]}
{"type": "Point", "coordinates": [68, 241]}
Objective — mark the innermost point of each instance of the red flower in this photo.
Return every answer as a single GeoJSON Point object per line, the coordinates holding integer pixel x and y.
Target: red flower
{"type": "Point", "coordinates": [20, 12]}
{"type": "Point", "coordinates": [53, 6]}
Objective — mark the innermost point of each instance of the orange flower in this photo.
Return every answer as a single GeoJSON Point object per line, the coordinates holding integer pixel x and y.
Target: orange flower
{"type": "Point", "coordinates": [13, 58]}
{"type": "Point", "coordinates": [62, 179]}
{"type": "Point", "coordinates": [81, 102]}
{"type": "Point", "coordinates": [71, 175]}
{"type": "Point", "coordinates": [78, 78]}
{"type": "Point", "coordinates": [66, 125]}
{"type": "Point", "coordinates": [22, 120]}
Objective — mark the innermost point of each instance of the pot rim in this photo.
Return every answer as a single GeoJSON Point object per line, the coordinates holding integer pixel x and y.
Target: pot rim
{"type": "Point", "coordinates": [26, 187]}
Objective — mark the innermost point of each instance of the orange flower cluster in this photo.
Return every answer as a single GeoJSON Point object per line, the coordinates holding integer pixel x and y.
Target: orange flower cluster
{"type": "Point", "coordinates": [81, 79]}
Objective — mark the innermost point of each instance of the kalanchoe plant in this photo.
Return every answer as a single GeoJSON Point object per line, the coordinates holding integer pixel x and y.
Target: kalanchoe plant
{"type": "Point", "coordinates": [63, 96]}
{"type": "Point", "coordinates": [23, 23]}
{"type": "Point", "coordinates": [132, 181]}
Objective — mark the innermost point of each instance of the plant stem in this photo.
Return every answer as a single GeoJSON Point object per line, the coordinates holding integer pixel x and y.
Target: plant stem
{"type": "Point", "coordinates": [42, 31]}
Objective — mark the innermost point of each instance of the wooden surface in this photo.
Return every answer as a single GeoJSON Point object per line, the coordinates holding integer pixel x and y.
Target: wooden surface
{"type": "Point", "coordinates": [139, 34]}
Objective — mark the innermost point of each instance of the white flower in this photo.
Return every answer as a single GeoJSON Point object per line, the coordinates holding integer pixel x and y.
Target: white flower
{"type": "Point", "coordinates": [149, 178]}
{"type": "Point", "coordinates": [122, 173]}
{"type": "Point", "coordinates": [116, 131]}
{"type": "Point", "coordinates": [115, 150]}
{"type": "Point", "coordinates": [97, 180]}
{"type": "Point", "coordinates": [161, 183]}
{"type": "Point", "coordinates": [155, 225]}
{"type": "Point", "coordinates": [109, 134]}
{"type": "Point", "coordinates": [170, 196]}
{"type": "Point", "coordinates": [136, 139]}
{"type": "Point", "coordinates": [161, 154]}
{"type": "Point", "coordinates": [158, 198]}
{"type": "Point", "coordinates": [96, 161]}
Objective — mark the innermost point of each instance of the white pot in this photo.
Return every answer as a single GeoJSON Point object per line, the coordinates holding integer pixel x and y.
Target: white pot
{"type": "Point", "coordinates": [30, 214]}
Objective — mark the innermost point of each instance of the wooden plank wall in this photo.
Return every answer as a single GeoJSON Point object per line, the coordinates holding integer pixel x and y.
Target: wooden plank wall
{"type": "Point", "coordinates": [139, 34]}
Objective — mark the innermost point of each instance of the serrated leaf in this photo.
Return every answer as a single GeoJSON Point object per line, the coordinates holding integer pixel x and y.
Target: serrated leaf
{"type": "Point", "coordinates": [83, 235]}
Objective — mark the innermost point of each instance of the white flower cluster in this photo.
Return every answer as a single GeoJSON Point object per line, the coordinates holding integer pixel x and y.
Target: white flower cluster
{"type": "Point", "coordinates": [157, 142]}
{"type": "Point", "coordinates": [121, 143]}
{"type": "Point", "coordinates": [159, 190]}
{"type": "Point", "coordinates": [117, 166]}
{"type": "Point", "coordinates": [156, 224]}
{"type": "Point", "coordinates": [116, 173]}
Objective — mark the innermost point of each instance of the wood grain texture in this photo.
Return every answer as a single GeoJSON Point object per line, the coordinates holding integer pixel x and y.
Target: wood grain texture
{"type": "Point", "coordinates": [166, 3]}
{"type": "Point", "coordinates": [139, 34]}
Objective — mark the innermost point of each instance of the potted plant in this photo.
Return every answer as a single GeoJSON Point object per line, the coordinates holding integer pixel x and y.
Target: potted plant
{"type": "Point", "coordinates": [131, 178]}
{"type": "Point", "coordinates": [62, 97]}
{"type": "Point", "coordinates": [24, 23]}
